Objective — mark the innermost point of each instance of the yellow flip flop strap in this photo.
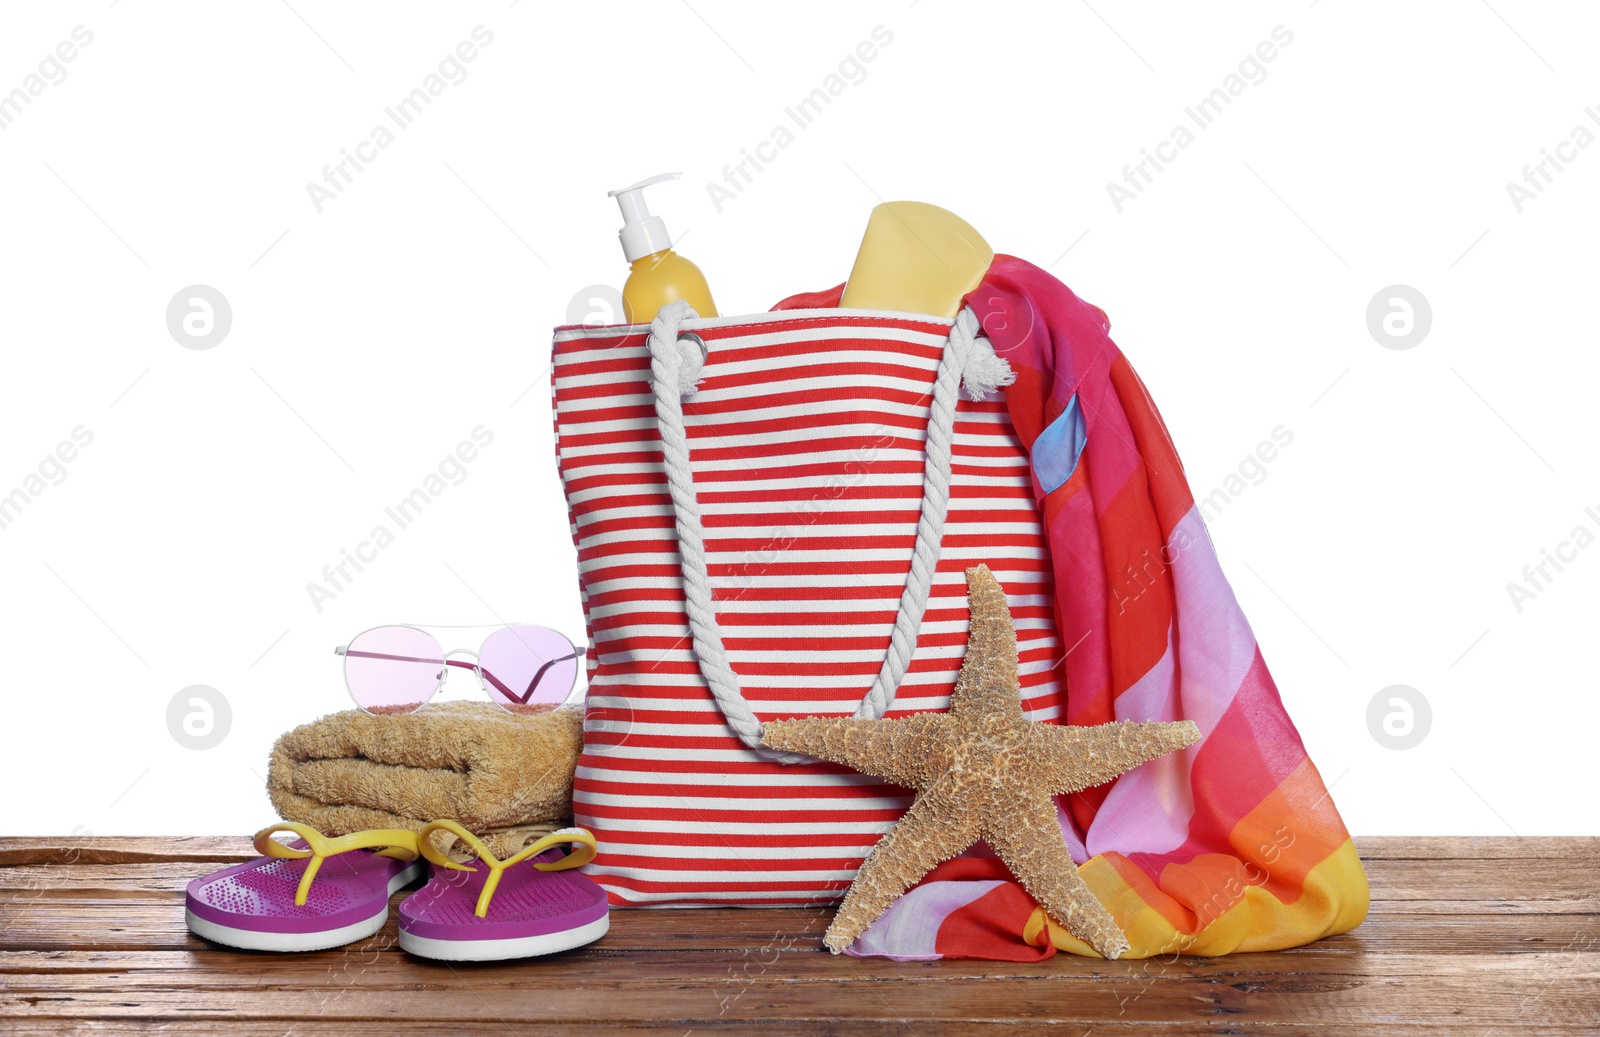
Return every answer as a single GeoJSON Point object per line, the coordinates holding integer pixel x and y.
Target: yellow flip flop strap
{"type": "Point", "coordinates": [584, 842]}
{"type": "Point", "coordinates": [396, 842]}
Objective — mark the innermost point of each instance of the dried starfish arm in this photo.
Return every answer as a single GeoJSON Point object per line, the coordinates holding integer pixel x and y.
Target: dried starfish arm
{"type": "Point", "coordinates": [1077, 758]}
{"type": "Point", "coordinates": [988, 680]}
{"type": "Point", "coordinates": [894, 750]}
{"type": "Point", "coordinates": [931, 832]}
{"type": "Point", "coordinates": [1029, 841]}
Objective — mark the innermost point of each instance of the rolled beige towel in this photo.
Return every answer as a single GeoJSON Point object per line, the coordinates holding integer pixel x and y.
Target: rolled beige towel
{"type": "Point", "coordinates": [506, 777]}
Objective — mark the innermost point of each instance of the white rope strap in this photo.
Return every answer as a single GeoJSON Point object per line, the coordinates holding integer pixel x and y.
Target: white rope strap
{"type": "Point", "coordinates": [958, 358]}
{"type": "Point", "coordinates": [674, 370]}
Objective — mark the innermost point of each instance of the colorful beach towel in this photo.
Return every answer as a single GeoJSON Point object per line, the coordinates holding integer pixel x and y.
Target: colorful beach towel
{"type": "Point", "coordinates": [1231, 845]}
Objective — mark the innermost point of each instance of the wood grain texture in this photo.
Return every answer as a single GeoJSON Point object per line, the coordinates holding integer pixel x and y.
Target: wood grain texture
{"type": "Point", "coordinates": [1466, 936]}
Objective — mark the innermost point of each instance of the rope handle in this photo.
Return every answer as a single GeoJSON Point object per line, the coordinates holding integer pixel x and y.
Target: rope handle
{"type": "Point", "coordinates": [675, 360]}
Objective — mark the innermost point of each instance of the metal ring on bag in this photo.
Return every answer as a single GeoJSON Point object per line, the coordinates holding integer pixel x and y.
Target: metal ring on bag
{"type": "Point", "coordinates": [691, 378]}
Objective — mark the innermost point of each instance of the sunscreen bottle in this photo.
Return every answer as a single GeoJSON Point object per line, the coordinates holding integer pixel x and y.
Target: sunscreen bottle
{"type": "Point", "coordinates": [657, 275]}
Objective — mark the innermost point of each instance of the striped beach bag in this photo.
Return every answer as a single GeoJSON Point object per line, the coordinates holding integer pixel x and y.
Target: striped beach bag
{"type": "Point", "coordinates": [773, 515]}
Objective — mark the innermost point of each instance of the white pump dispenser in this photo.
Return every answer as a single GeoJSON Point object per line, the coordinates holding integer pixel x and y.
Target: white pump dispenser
{"type": "Point", "coordinates": [657, 275]}
{"type": "Point", "coordinates": [642, 234]}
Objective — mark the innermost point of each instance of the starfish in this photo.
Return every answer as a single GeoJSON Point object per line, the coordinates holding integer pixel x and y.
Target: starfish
{"type": "Point", "coordinates": [981, 771]}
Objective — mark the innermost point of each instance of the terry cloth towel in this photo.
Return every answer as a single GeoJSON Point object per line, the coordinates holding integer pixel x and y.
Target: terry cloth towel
{"type": "Point", "coordinates": [1230, 845]}
{"type": "Point", "coordinates": [506, 777]}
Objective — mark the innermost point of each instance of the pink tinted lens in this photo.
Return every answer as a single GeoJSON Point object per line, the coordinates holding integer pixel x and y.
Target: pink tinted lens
{"type": "Point", "coordinates": [393, 669]}
{"type": "Point", "coordinates": [526, 665]}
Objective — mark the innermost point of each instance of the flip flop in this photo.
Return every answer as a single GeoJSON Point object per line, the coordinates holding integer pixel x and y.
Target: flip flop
{"type": "Point", "coordinates": [492, 910]}
{"type": "Point", "coordinates": [315, 894]}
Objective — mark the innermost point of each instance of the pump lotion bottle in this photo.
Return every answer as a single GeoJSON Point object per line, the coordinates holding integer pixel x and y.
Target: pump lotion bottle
{"type": "Point", "coordinates": [657, 275]}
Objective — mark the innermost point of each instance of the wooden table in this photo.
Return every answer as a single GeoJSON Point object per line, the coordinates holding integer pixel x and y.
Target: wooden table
{"type": "Point", "coordinates": [1466, 936]}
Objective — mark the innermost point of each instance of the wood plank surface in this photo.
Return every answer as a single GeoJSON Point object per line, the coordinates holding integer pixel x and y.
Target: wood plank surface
{"type": "Point", "coordinates": [1471, 936]}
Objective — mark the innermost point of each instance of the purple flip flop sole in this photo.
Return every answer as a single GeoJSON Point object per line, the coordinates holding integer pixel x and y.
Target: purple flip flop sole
{"type": "Point", "coordinates": [251, 906]}
{"type": "Point", "coordinates": [532, 912]}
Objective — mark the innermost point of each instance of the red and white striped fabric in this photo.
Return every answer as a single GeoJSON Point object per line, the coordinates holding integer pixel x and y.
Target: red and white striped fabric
{"type": "Point", "coordinates": [806, 437]}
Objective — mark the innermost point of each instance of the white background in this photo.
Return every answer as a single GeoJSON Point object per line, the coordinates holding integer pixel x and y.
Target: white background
{"type": "Point", "coordinates": [369, 338]}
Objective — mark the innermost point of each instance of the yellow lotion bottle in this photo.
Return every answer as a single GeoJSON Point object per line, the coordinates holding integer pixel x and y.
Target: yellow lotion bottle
{"type": "Point", "coordinates": [657, 275]}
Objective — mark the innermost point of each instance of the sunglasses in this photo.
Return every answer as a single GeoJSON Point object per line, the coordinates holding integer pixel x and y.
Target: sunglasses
{"type": "Point", "coordinates": [397, 669]}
